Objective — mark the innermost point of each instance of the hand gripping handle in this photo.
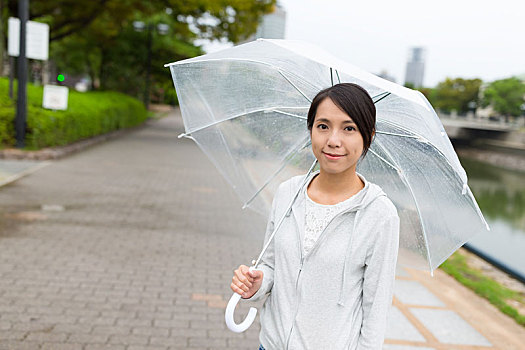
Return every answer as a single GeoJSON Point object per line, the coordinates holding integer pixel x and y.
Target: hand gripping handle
{"type": "Point", "coordinates": [230, 309]}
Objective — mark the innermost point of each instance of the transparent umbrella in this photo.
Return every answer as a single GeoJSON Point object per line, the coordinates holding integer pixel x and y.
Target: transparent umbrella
{"type": "Point", "coordinates": [246, 108]}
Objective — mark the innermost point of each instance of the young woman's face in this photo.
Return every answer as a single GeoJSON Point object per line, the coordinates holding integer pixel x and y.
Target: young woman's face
{"type": "Point", "coordinates": [336, 142]}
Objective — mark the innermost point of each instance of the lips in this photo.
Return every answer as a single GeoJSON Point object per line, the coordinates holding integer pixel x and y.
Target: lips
{"type": "Point", "coordinates": [333, 156]}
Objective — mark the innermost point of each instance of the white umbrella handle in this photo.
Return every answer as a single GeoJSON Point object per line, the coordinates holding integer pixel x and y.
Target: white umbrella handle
{"type": "Point", "coordinates": [230, 309]}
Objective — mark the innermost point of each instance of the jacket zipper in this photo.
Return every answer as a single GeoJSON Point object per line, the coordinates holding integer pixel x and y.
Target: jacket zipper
{"type": "Point", "coordinates": [297, 293]}
{"type": "Point", "coordinates": [303, 259]}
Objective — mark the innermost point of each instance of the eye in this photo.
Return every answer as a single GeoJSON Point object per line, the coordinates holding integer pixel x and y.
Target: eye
{"type": "Point", "coordinates": [322, 126]}
{"type": "Point", "coordinates": [350, 128]}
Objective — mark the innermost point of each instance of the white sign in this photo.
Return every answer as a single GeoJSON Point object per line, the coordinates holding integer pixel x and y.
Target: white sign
{"type": "Point", "coordinates": [55, 97]}
{"type": "Point", "coordinates": [37, 39]}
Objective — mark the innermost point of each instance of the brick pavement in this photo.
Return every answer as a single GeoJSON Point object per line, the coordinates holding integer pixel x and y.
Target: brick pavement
{"type": "Point", "coordinates": [127, 245]}
{"type": "Point", "coordinates": [131, 244]}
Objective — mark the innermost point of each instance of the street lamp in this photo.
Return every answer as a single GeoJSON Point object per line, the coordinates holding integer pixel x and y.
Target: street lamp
{"type": "Point", "coordinates": [162, 29]}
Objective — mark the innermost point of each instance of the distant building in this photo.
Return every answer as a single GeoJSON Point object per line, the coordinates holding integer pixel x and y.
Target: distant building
{"type": "Point", "coordinates": [273, 24]}
{"type": "Point", "coordinates": [415, 67]}
{"type": "Point", "coordinates": [384, 74]}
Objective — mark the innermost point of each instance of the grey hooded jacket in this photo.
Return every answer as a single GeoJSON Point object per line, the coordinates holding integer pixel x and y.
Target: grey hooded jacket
{"type": "Point", "coordinates": [339, 294]}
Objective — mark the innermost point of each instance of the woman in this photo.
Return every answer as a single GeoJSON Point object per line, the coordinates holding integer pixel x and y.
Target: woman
{"type": "Point", "coordinates": [330, 269]}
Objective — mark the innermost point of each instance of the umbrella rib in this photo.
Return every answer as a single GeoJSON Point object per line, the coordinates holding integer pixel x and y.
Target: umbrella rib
{"type": "Point", "coordinates": [384, 160]}
{"type": "Point", "coordinates": [394, 134]}
{"type": "Point", "coordinates": [246, 60]}
{"type": "Point", "coordinates": [332, 76]}
{"type": "Point", "coordinates": [186, 134]}
{"type": "Point", "coordinates": [287, 160]}
{"type": "Point", "coordinates": [294, 86]}
{"type": "Point", "coordinates": [478, 210]}
{"type": "Point", "coordinates": [423, 139]}
{"type": "Point", "coordinates": [405, 181]}
{"type": "Point", "coordinates": [221, 136]}
{"type": "Point", "coordinates": [385, 94]}
{"type": "Point", "coordinates": [256, 263]}
{"type": "Point", "coordinates": [291, 114]}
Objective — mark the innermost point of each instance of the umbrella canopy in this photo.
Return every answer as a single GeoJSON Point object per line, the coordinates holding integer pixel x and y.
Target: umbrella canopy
{"type": "Point", "coordinates": [246, 108]}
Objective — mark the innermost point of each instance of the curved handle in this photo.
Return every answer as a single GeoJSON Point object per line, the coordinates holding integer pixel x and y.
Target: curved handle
{"type": "Point", "coordinates": [228, 315]}
{"type": "Point", "coordinates": [230, 309]}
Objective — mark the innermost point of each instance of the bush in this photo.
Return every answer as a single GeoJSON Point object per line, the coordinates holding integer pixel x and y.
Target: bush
{"type": "Point", "coordinates": [88, 114]}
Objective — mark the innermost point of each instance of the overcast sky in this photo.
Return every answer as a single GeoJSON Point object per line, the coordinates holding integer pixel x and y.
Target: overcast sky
{"type": "Point", "coordinates": [462, 38]}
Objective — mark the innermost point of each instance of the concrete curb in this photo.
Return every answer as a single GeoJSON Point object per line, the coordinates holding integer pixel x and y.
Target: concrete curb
{"type": "Point", "coordinates": [59, 152]}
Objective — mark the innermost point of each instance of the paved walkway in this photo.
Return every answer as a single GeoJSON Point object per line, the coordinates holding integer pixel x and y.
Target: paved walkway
{"type": "Point", "coordinates": [131, 245]}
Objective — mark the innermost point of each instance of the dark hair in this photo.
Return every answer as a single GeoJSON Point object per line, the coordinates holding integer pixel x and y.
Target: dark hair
{"type": "Point", "coordinates": [354, 101]}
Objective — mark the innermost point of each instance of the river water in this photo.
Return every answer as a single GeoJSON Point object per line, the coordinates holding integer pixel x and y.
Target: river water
{"type": "Point", "coordinates": [500, 194]}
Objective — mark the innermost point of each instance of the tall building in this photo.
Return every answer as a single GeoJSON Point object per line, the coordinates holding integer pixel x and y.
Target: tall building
{"type": "Point", "coordinates": [273, 24]}
{"type": "Point", "coordinates": [415, 67]}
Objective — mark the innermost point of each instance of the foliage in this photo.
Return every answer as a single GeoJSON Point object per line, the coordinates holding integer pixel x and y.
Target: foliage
{"type": "Point", "coordinates": [66, 18]}
{"type": "Point", "coordinates": [88, 114]}
{"type": "Point", "coordinates": [456, 94]}
{"type": "Point", "coordinates": [506, 96]}
{"type": "Point", "coordinates": [428, 93]}
{"type": "Point", "coordinates": [234, 20]}
{"type": "Point", "coordinates": [496, 294]}
{"type": "Point", "coordinates": [97, 38]}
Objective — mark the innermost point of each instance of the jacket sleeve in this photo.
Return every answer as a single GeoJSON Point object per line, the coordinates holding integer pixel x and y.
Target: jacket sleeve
{"type": "Point", "coordinates": [267, 262]}
{"type": "Point", "coordinates": [378, 284]}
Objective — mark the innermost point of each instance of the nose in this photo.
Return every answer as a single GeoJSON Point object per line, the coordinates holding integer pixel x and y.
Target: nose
{"type": "Point", "coordinates": [334, 140]}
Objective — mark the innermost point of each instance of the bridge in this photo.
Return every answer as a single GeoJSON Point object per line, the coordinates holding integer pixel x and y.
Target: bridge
{"type": "Point", "coordinates": [499, 133]}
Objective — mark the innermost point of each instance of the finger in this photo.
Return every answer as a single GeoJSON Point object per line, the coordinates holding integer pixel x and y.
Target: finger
{"type": "Point", "coordinates": [246, 272]}
{"type": "Point", "coordinates": [242, 286]}
{"type": "Point", "coordinates": [242, 278]}
{"type": "Point", "coordinates": [236, 289]}
{"type": "Point", "coordinates": [256, 275]}
{"type": "Point", "coordinates": [239, 284]}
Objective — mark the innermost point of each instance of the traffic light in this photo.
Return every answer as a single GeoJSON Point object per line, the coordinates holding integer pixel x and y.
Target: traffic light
{"type": "Point", "coordinates": [61, 78]}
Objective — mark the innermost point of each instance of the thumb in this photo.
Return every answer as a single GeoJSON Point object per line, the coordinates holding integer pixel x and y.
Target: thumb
{"type": "Point", "coordinates": [256, 274]}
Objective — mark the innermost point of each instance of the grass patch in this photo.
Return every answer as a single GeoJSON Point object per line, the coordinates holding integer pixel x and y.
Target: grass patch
{"type": "Point", "coordinates": [88, 114]}
{"type": "Point", "coordinates": [497, 294]}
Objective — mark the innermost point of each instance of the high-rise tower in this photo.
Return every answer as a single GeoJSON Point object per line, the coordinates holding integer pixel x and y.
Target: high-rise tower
{"type": "Point", "coordinates": [415, 67]}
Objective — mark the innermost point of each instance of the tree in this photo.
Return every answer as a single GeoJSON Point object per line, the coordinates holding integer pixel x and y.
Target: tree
{"type": "Point", "coordinates": [506, 96]}
{"type": "Point", "coordinates": [234, 20]}
{"type": "Point", "coordinates": [112, 52]}
{"type": "Point", "coordinates": [456, 94]}
{"type": "Point", "coordinates": [69, 17]}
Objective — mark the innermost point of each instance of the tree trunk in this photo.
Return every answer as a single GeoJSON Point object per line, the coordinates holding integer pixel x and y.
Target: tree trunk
{"type": "Point", "coordinates": [102, 73]}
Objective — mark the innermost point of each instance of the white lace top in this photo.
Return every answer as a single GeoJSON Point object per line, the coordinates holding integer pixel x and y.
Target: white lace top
{"type": "Point", "coordinates": [317, 217]}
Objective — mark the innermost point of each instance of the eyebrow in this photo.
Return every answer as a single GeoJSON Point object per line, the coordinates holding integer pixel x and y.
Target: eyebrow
{"type": "Point", "coordinates": [324, 120]}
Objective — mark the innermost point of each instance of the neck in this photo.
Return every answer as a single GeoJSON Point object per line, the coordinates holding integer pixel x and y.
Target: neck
{"type": "Point", "coordinates": [337, 184]}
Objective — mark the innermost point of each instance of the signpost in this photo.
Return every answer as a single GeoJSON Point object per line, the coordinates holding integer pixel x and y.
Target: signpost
{"type": "Point", "coordinates": [37, 39]}
{"type": "Point", "coordinates": [26, 39]}
{"type": "Point", "coordinates": [55, 97]}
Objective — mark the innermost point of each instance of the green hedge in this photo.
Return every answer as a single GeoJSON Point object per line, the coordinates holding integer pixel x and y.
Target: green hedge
{"type": "Point", "coordinates": [88, 114]}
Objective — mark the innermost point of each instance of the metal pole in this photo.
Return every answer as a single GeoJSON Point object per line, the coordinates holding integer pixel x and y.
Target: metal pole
{"type": "Point", "coordinates": [11, 75]}
{"type": "Point", "coordinates": [2, 49]}
{"type": "Point", "coordinates": [21, 104]}
{"type": "Point", "coordinates": [148, 66]}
